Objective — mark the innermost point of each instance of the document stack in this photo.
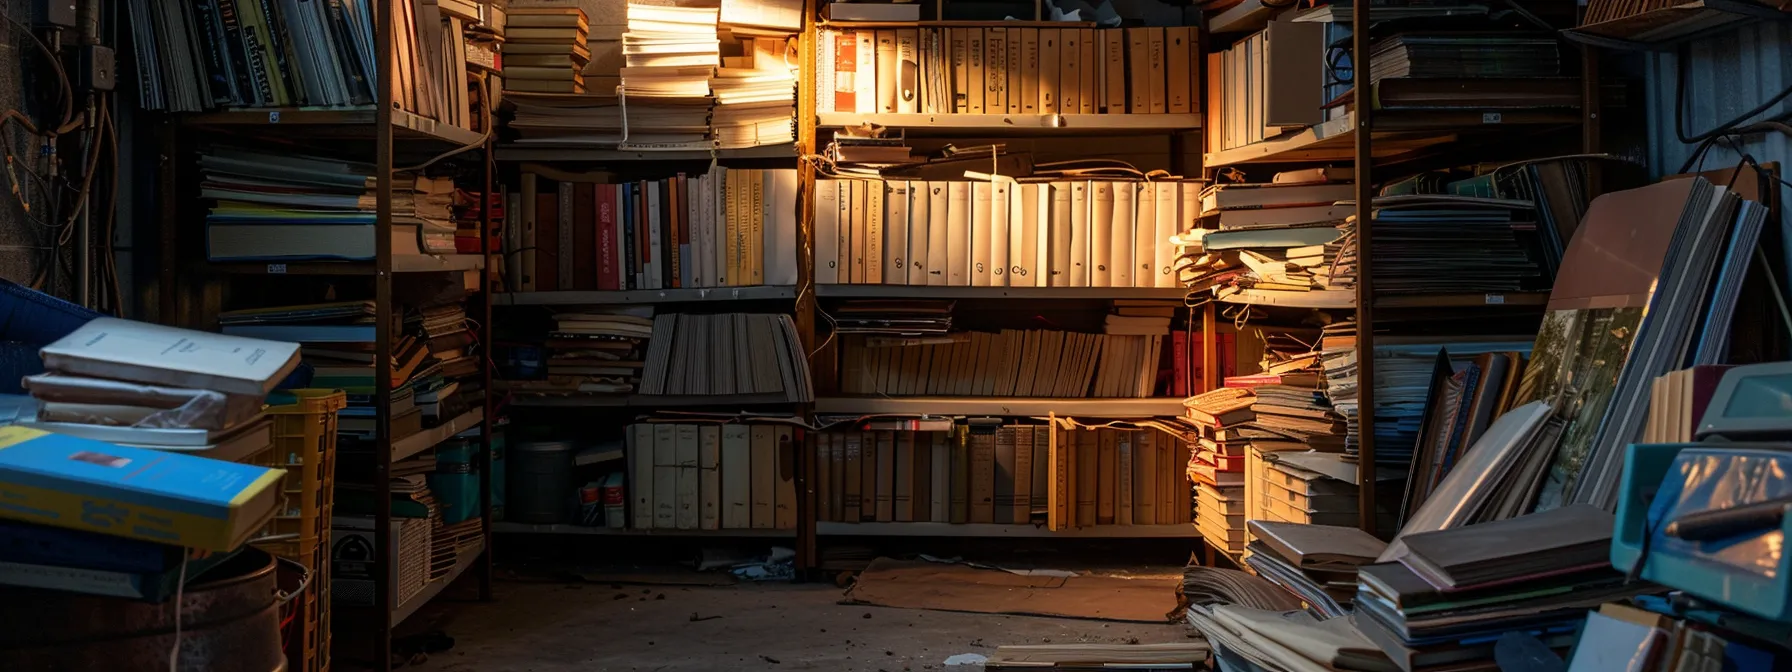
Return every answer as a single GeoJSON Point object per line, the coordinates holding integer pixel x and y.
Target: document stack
{"type": "Point", "coordinates": [1317, 563]}
{"type": "Point", "coordinates": [1279, 243]}
{"type": "Point", "coordinates": [670, 53]}
{"type": "Point", "coordinates": [145, 385]}
{"type": "Point", "coordinates": [545, 50]}
{"type": "Point", "coordinates": [1444, 597]}
{"type": "Point", "coordinates": [1216, 466]}
{"type": "Point", "coordinates": [591, 119]}
{"type": "Point", "coordinates": [269, 207]}
{"type": "Point", "coordinates": [756, 102]}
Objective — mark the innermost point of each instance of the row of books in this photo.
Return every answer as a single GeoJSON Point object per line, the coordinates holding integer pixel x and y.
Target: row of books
{"type": "Point", "coordinates": [726, 354]}
{"type": "Point", "coordinates": [1007, 70]}
{"type": "Point", "coordinates": [711, 476]}
{"type": "Point", "coordinates": [1011, 363]}
{"type": "Point", "coordinates": [984, 471]}
{"type": "Point", "coordinates": [282, 207]}
{"type": "Point", "coordinates": [263, 53]}
{"type": "Point", "coordinates": [728, 227]}
{"type": "Point", "coordinates": [1000, 233]}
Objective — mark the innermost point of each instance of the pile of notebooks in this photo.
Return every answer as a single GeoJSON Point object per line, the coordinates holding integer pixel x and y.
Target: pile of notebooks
{"type": "Point", "coordinates": [1012, 362]}
{"type": "Point", "coordinates": [283, 207]}
{"type": "Point", "coordinates": [545, 50]}
{"type": "Point", "coordinates": [746, 355]}
{"type": "Point", "coordinates": [711, 476]}
{"type": "Point", "coordinates": [138, 384]}
{"type": "Point", "coordinates": [1442, 598]}
{"type": "Point", "coordinates": [1007, 70]}
{"type": "Point", "coordinates": [1316, 563]}
{"type": "Point", "coordinates": [1434, 55]}
{"type": "Point", "coordinates": [670, 55]}
{"type": "Point", "coordinates": [1216, 466]}
{"type": "Point", "coordinates": [595, 352]}
{"type": "Point", "coordinates": [755, 96]}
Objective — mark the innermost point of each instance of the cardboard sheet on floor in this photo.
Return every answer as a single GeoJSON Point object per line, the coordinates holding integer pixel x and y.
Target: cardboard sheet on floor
{"type": "Point", "coordinates": [927, 585]}
{"type": "Point", "coordinates": [654, 576]}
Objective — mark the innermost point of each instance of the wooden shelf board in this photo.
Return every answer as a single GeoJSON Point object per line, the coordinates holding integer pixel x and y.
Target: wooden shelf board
{"type": "Point", "coordinates": [1397, 133]}
{"type": "Point", "coordinates": [541, 400]}
{"type": "Point", "coordinates": [430, 438]}
{"type": "Point", "coordinates": [646, 296]}
{"type": "Point", "coordinates": [1472, 300]}
{"type": "Point", "coordinates": [1002, 406]}
{"type": "Point", "coordinates": [836, 529]}
{"type": "Point", "coordinates": [532, 528]}
{"type": "Point", "coordinates": [1039, 123]}
{"type": "Point", "coordinates": [410, 263]}
{"type": "Point", "coordinates": [935, 292]}
{"type": "Point", "coordinates": [462, 561]}
{"type": "Point", "coordinates": [336, 122]}
{"type": "Point", "coordinates": [569, 152]}
{"type": "Point", "coordinates": [956, 24]}
{"type": "Point", "coordinates": [1661, 29]}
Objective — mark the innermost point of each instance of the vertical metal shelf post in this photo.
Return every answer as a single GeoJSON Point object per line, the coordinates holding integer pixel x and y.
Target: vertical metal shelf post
{"type": "Point", "coordinates": [1365, 277]}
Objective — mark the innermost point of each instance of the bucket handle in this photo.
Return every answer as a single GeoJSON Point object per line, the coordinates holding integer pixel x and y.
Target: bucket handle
{"type": "Point", "coordinates": [303, 584]}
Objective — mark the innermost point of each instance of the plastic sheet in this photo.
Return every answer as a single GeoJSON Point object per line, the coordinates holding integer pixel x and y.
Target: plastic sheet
{"type": "Point", "coordinates": [1712, 479]}
{"type": "Point", "coordinates": [114, 403]}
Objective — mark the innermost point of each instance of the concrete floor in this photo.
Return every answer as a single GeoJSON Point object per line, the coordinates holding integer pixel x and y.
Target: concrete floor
{"type": "Point", "coordinates": [549, 627]}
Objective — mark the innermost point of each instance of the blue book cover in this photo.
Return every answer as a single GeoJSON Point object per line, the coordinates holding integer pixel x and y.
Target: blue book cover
{"type": "Point", "coordinates": [136, 493]}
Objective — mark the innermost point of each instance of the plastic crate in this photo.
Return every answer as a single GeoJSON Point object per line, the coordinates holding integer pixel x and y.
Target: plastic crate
{"type": "Point", "coordinates": [305, 446]}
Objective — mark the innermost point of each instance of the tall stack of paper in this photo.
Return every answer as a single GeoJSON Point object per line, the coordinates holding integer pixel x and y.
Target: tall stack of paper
{"type": "Point", "coordinates": [670, 55]}
{"type": "Point", "coordinates": [545, 50]}
{"type": "Point", "coordinates": [754, 105]}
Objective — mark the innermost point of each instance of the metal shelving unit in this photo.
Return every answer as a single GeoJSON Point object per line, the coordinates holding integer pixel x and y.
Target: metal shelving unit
{"type": "Point", "coordinates": [932, 292]}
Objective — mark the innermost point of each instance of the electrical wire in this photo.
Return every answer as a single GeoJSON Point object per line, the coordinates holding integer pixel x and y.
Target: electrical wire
{"type": "Point", "coordinates": [68, 91]}
{"type": "Point", "coordinates": [485, 97]}
{"type": "Point", "coordinates": [1682, 60]}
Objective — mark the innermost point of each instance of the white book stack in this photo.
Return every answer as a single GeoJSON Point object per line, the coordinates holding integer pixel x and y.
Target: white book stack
{"type": "Point", "coordinates": [754, 106]}
{"type": "Point", "coordinates": [669, 55]}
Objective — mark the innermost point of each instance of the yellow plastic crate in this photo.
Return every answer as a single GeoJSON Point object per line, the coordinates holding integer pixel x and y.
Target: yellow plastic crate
{"type": "Point", "coordinates": [305, 446]}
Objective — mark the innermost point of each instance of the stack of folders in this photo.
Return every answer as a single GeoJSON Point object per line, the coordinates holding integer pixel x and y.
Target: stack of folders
{"type": "Point", "coordinates": [1216, 467]}
{"type": "Point", "coordinates": [283, 207]}
{"type": "Point", "coordinates": [545, 50]}
{"type": "Point", "coordinates": [1300, 487]}
{"type": "Point", "coordinates": [730, 227]}
{"type": "Point", "coordinates": [1006, 70]}
{"type": "Point", "coordinates": [984, 471]}
{"type": "Point", "coordinates": [711, 476]}
{"type": "Point", "coordinates": [670, 55]}
{"type": "Point", "coordinates": [1009, 363]}
{"type": "Point", "coordinates": [1452, 593]}
{"type": "Point", "coordinates": [755, 96]}
{"type": "Point", "coordinates": [1317, 563]}
{"type": "Point", "coordinates": [726, 354]}
{"type": "Point", "coordinates": [589, 119]}
{"type": "Point", "coordinates": [1000, 233]}
{"type": "Point", "coordinates": [159, 387]}
{"type": "Point", "coordinates": [1463, 400]}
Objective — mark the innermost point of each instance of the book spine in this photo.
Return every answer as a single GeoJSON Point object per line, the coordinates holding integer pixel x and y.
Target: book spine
{"type": "Point", "coordinates": [961, 476]}
{"type": "Point", "coordinates": [584, 206]}
{"type": "Point", "coordinates": [359, 89]}
{"type": "Point", "coordinates": [280, 47]}
{"type": "Point", "coordinates": [845, 75]}
{"type": "Point", "coordinates": [683, 268]}
{"type": "Point", "coordinates": [568, 256]}
{"type": "Point", "coordinates": [607, 275]}
{"type": "Point", "coordinates": [627, 192]}
{"type": "Point", "coordinates": [217, 69]}
{"type": "Point", "coordinates": [252, 33]}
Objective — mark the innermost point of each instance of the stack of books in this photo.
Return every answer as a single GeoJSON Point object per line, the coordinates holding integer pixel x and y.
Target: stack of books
{"type": "Point", "coordinates": [1299, 412]}
{"type": "Point", "coordinates": [1450, 594]}
{"type": "Point", "coordinates": [754, 106]}
{"type": "Point", "coordinates": [272, 207]}
{"type": "Point", "coordinates": [1216, 466]}
{"type": "Point", "coordinates": [450, 386]}
{"type": "Point", "coordinates": [545, 51]}
{"type": "Point", "coordinates": [545, 118]}
{"type": "Point", "coordinates": [670, 55]}
{"type": "Point", "coordinates": [597, 352]}
{"type": "Point", "coordinates": [915, 321]}
{"type": "Point", "coordinates": [711, 476]}
{"type": "Point", "coordinates": [726, 354]}
{"type": "Point", "coordinates": [1317, 563]}
{"type": "Point", "coordinates": [139, 384]}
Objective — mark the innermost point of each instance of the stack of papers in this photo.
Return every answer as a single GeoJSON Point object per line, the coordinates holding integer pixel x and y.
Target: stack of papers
{"type": "Point", "coordinates": [273, 207]}
{"type": "Point", "coordinates": [1317, 563]}
{"type": "Point", "coordinates": [670, 53]}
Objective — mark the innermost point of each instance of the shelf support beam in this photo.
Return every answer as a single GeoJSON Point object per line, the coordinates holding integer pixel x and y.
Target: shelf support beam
{"type": "Point", "coordinates": [1365, 277]}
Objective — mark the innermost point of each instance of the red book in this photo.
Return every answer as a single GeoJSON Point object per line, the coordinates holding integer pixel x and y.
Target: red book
{"type": "Point", "coordinates": [846, 50]}
{"type": "Point", "coordinates": [584, 236]}
{"type": "Point", "coordinates": [608, 254]}
{"type": "Point", "coordinates": [1179, 360]}
{"type": "Point", "coordinates": [676, 223]}
{"type": "Point", "coordinates": [643, 241]}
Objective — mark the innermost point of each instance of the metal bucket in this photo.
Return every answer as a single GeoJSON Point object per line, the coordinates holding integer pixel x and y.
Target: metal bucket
{"type": "Point", "coordinates": [540, 481]}
{"type": "Point", "coordinates": [229, 622]}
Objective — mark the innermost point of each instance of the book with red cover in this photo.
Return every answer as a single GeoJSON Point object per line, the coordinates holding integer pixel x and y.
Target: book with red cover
{"type": "Point", "coordinates": [609, 256]}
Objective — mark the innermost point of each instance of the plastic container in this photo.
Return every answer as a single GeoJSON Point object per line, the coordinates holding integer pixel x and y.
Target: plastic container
{"type": "Point", "coordinates": [305, 446]}
{"type": "Point", "coordinates": [1750, 572]}
{"type": "Point", "coordinates": [540, 481]}
{"type": "Point", "coordinates": [455, 482]}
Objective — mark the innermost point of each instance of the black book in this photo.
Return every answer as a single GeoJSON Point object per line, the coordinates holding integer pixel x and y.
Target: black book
{"type": "Point", "coordinates": [281, 49]}
{"type": "Point", "coordinates": [222, 82]}
{"type": "Point", "coordinates": [347, 56]}
{"type": "Point", "coordinates": [247, 92]}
